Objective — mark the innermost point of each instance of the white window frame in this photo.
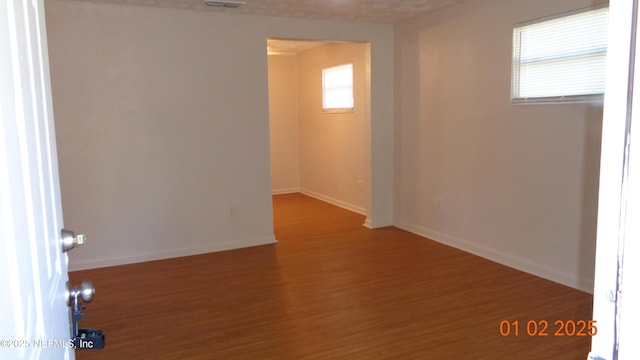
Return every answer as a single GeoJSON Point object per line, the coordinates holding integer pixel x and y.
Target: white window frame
{"type": "Point", "coordinates": [594, 55]}
{"type": "Point", "coordinates": [328, 88]}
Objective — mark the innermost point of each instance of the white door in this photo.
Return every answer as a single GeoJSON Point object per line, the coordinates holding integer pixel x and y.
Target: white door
{"type": "Point", "coordinates": [34, 320]}
{"type": "Point", "coordinates": [617, 280]}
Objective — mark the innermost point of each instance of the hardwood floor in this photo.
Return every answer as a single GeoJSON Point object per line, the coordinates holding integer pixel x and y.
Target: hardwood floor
{"type": "Point", "coordinates": [330, 289]}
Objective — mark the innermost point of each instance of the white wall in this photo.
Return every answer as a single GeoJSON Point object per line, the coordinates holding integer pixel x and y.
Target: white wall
{"type": "Point", "coordinates": [283, 120]}
{"type": "Point", "coordinates": [332, 145]}
{"type": "Point", "coordinates": [516, 184]}
{"type": "Point", "coordinates": [163, 132]}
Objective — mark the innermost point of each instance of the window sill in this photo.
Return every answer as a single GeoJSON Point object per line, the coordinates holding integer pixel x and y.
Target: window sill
{"type": "Point", "coordinates": [581, 99]}
{"type": "Point", "coordinates": [338, 111]}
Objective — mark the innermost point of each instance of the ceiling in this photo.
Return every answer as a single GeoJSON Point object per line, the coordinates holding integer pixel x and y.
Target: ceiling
{"type": "Point", "coordinates": [380, 11]}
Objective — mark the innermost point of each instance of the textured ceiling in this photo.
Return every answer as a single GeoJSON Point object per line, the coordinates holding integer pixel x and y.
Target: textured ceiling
{"type": "Point", "coordinates": [383, 11]}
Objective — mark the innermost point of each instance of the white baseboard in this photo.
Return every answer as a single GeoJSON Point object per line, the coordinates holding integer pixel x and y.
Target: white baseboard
{"type": "Point", "coordinates": [336, 202]}
{"type": "Point", "coordinates": [368, 223]}
{"type": "Point", "coordinates": [285, 191]}
{"type": "Point", "coordinates": [166, 254]}
{"type": "Point", "coordinates": [518, 263]}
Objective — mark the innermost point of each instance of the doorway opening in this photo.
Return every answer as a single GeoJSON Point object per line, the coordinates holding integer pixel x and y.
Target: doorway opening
{"type": "Point", "coordinates": [319, 153]}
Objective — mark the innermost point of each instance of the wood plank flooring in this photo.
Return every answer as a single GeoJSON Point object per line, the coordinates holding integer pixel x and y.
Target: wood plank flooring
{"type": "Point", "coordinates": [330, 289]}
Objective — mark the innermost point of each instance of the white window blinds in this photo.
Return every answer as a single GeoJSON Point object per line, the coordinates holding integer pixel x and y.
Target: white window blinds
{"type": "Point", "coordinates": [561, 59]}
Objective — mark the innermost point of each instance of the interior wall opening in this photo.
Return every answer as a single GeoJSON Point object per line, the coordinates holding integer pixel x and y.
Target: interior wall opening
{"type": "Point", "coordinates": [319, 153]}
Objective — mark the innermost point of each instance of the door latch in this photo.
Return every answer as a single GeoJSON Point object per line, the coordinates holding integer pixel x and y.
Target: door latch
{"type": "Point", "coordinates": [83, 338]}
{"type": "Point", "coordinates": [70, 240]}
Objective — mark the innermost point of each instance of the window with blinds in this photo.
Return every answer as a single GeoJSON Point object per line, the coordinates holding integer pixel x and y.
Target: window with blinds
{"type": "Point", "coordinates": [337, 88]}
{"type": "Point", "coordinates": [560, 59]}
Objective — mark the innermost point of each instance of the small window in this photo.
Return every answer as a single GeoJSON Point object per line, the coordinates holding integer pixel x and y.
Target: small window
{"type": "Point", "coordinates": [561, 59]}
{"type": "Point", "coordinates": [337, 88]}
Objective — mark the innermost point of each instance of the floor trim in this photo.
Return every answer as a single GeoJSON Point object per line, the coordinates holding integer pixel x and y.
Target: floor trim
{"type": "Point", "coordinates": [509, 260]}
{"type": "Point", "coordinates": [158, 255]}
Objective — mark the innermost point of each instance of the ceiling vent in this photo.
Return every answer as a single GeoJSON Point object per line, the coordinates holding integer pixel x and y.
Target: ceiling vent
{"type": "Point", "coordinates": [225, 3]}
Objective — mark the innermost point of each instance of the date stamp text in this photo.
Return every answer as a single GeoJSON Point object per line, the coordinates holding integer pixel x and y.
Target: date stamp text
{"type": "Point", "coordinates": [542, 328]}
